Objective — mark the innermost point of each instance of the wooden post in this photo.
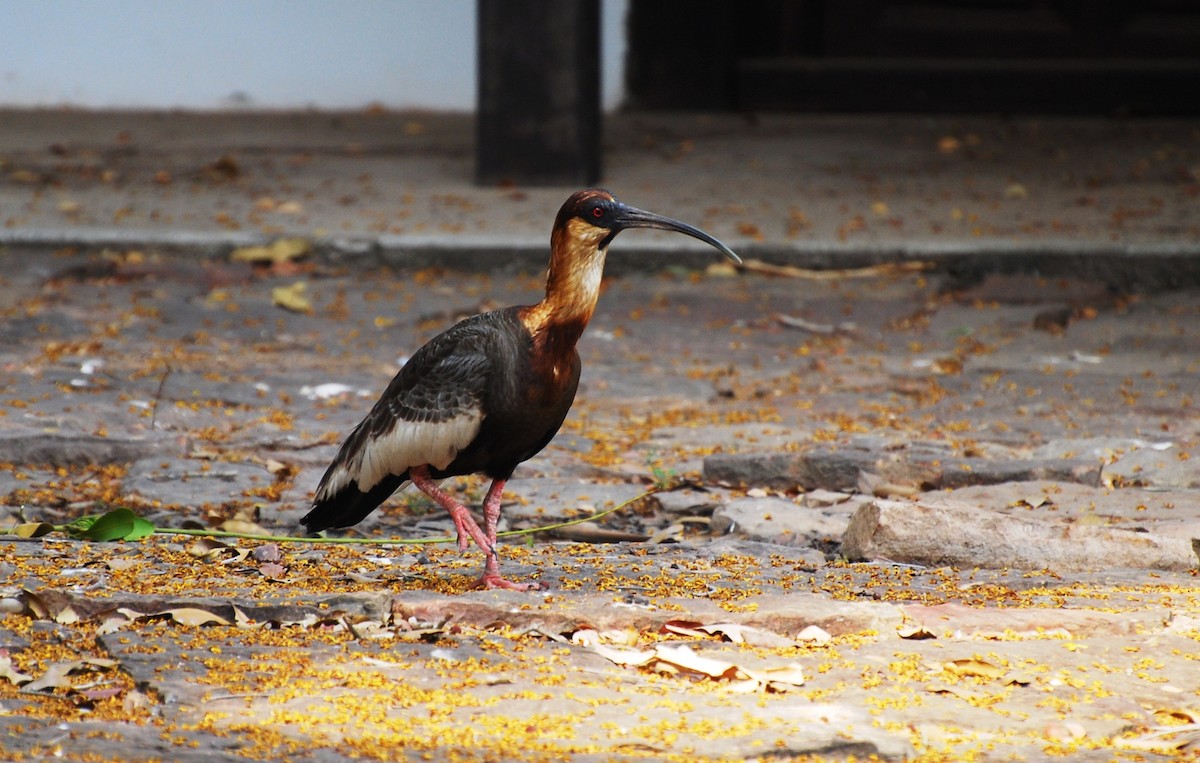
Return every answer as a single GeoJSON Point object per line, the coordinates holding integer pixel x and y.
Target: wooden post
{"type": "Point", "coordinates": [538, 108]}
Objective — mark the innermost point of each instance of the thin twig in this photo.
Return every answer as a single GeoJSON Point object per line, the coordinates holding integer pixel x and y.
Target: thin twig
{"type": "Point", "coordinates": [158, 396]}
{"type": "Point", "coordinates": [869, 271]}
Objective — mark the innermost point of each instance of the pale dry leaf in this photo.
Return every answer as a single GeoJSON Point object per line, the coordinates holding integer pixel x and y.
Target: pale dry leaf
{"type": "Point", "coordinates": [112, 624]}
{"type": "Point", "coordinates": [1068, 730]}
{"type": "Point", "coordinates": [293, 298]}
{"type": "Point", "coordinates": [277, 467]}
{"type": "Point", "coordinates": [66, 616]}
{"type": "Point", "coordinates": [671, 532]}
{"type": "Point", "coordinates": [244, 621]}
{"type": "Point", "coordinates": [683, 628]}
{"type": "Point", "coordinates": [965, 695]}
{"type": "Point", "coordinates": [684, 657]}
{"type": "Point", "coordinates": [778, 679]}
{"type": "Point", "coordinates": [973, 668]}
{"type": "Point", "coordinates": [9, 671]}
{"type": "Point", "coordinates": [35, 604]}
{"type": "Point", "coordinates": [587, 637]}
{"type": "Point", "coordinates": [814, 634]}
{"type": "Point", "coordinates": [192, 616]}
{"type": "Point", "coordinates": [57, 675]}
{"type": "Point", "coordinates": [277, 252]}
{"type": "Point", "coordinates": [915, 632]}
{"type": "Point", "coordinates": [627, 637]}
{"type": "Point", "coordinates": [624, 656]}
{"type": "Point", "coordinates": [748, 634]}
{"type": "Point", "coordinates": [1016, 191]}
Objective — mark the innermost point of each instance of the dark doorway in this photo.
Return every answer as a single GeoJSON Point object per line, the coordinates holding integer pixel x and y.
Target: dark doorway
{"type": "Point", "coordinates": [1004, 56]}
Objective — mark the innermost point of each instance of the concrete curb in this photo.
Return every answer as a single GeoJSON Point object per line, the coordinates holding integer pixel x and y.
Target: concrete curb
{"type": "Point", "coordinates": [1127, 266]}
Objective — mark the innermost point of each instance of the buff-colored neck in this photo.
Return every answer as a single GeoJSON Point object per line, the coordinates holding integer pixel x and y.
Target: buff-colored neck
{"type": "Point", "coordinates": [573, 280]}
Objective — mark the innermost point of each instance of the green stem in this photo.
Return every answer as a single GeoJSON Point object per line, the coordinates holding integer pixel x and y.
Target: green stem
{"type": "Point", "coordinates": [398, 541]}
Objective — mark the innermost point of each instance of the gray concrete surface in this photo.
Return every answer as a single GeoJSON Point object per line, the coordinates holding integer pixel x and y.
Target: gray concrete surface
{"type": "Point", "coordinates": [141, 367]}
{"type": "Point", "coordinates": [1059, 195]}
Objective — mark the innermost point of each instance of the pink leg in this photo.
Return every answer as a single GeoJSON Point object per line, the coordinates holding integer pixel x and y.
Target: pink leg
{"type": "Point", "coordinates": [491, 509]}
{"type": "Point", "coordinates": [464, 523]}
{"type": "Point", "coordinates": [466, 526]}
{"type": "Point", "coordinates": [491, 576]}
{"type": "Point", "coordinates": [491, 567]}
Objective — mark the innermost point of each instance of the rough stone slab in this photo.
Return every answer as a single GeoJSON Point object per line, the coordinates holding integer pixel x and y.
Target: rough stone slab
{"type": "Point", "coordinates": [784, 614]}
{"type": "Point", "coordinates": [840, 468]}
{"type": "Point", "coordinates": [1155, 468]}
{"type": "Point", "coordinates": [963, 536]}
{"type": "Point", "coordinates": [950, 473]}
{"type": "Point", "coordinates": [836, 470]}
{"type": "Point", "coordinates": [55, 449]}
{"type": "Point", "coordinates": [91, 606]}
{"type": "Point", "coordinates": [778, 520]}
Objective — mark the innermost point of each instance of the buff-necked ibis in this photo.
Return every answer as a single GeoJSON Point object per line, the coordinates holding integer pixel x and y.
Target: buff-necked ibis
{"type": "Point", "coordinates": [488, 393]}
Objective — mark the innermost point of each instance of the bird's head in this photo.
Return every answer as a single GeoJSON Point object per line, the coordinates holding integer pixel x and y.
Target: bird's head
{"type": "Point", "coordinates": [595, 217]}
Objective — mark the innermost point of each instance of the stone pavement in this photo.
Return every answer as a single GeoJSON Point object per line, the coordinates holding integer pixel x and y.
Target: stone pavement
{"type": "Point", "coordinates": [871, 474]}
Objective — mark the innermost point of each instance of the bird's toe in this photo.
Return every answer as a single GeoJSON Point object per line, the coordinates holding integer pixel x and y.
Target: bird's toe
{"type": "Point", "coordinates": [488, 581]}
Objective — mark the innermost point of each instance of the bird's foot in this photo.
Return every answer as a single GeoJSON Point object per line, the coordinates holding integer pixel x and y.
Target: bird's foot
{"type": "Point", "coordinates": [491, 578]}
{"type": "Point", "coordinates": [468, 530]}
{"type": "Point", "coordinates": [488, 581]}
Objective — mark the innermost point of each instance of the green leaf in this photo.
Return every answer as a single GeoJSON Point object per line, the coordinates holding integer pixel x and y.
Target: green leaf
{"type": "Point", "coordinates": [118, 524]}
{"type": "Point", "coordinates": [79, 527]}
{"type": "Point", "coordinates": [142, 528]}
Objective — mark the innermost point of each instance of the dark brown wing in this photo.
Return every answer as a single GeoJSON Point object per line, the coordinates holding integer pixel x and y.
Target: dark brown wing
{"type": "Point", "coordinates": [431, 410]}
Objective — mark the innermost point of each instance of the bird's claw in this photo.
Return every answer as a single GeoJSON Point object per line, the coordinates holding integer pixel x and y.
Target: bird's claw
{"type": "Point", "coordinates": [489, 581]}
{"type": "Point", "coordinates": [467, 531]}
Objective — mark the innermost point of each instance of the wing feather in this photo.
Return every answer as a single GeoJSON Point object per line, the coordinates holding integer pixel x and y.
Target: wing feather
{"type": "Point", "coordinates": [430, 411]}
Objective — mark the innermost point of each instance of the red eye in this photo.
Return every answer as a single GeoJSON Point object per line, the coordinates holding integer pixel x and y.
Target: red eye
{"type": "Point", "coordinates": [597, 212]}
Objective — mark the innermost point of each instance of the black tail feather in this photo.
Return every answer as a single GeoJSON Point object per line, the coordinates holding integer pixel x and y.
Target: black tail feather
{"type": "Point", "coordinates": [349, 506]}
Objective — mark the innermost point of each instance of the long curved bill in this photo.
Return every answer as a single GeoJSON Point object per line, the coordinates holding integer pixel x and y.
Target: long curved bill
{"type": "Point", "coordinates": [632, 217]}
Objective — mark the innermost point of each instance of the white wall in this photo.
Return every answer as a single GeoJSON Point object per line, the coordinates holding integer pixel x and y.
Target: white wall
{"type": "Point", "coordinates": [253, 54]}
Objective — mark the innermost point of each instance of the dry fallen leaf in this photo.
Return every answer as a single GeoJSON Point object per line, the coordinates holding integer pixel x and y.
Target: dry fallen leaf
{"type": "Point", "coordinates": [9, 672]}
{"type": "Point", "coordinates": [56, 676]}
{"type": "Point", "coordinates": [814, 634]}
{"type": "Point", "coordinates": [292, 297]}
{"type": "Point", "coordinates": [915, 632]}
{"type": "Point", "coordinates": [277, 252]}
{"type": "Point", "coordinates": [212, 550]}
{"type": "Point", "coordinates": [748, 634]}
{"type": "Point", "coordinates": [973, 668]}
{"type": "Point", "coordinates": [243, 527]}
{"type": "Point", "coordinates": [624, 656]}
{"type": "Point", "coordinates": [192, 616]}
{"type": "Point", "coordinates": [685, 658]}
{"type": "Point", "coordinates": [778, 679]}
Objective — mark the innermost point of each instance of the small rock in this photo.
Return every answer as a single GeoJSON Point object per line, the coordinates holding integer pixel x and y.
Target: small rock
{"type": "Point", "coordinates": [268, 552]}
{"type": "Point", "coordinates": [820, 499]}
